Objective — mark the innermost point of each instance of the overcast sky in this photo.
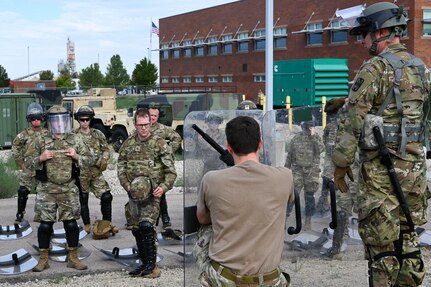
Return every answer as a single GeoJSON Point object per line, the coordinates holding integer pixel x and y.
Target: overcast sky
{"type": "Point", "coordinates": [33, 33]}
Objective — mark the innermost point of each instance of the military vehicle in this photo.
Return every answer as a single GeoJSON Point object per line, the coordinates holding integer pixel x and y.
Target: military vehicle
{"type": "Point", "coordinates": [116, 124]}
{"type": "Point", "coordinates": [175, 107]}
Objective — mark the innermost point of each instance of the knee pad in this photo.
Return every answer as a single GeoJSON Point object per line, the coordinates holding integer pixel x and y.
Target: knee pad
{"type": "Point", "coordinates": [46, 227]}
{"type": "Point", "coordinates": [146, 227]}
{"type": "Point", "coordinates": [106, 197]}
{"type": "Point", "coordinates": [70, 226]}
{"type": "Point", "coordinates": [23, 191]}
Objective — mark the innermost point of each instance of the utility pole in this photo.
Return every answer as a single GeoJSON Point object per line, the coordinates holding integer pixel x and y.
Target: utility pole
{"type": "Point", "coordinates": [28, 60]}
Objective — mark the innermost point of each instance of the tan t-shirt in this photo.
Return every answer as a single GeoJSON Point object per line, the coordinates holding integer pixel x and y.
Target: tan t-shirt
{"type": "Point", "coordinates": [247, 205]}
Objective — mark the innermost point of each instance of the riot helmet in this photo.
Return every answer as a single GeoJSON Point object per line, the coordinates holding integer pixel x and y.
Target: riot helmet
{"type": "Point", "coordinates": [58, 119]}
{"type": "Point", "coordinates": [35, 111]}
{"type": "Point", "coordinates": [84, 111]}
{"type": "Point", "coordinates": [246, 105]}
{"type": "Point", "coordinates": [379, 16]}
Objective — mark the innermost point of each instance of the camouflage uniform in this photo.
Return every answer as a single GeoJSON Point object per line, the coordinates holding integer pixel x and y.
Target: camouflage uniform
{"type": "Point", "coordinates": [303, 158]}
{"type": "Point", "coordinates": [150, 159]}
{"type": "Point", "coordinates": [174, 141]}
{"type": "Point", "coordinates": [381, 221]}
{"type": "Point", "coordinates": [91, 177]}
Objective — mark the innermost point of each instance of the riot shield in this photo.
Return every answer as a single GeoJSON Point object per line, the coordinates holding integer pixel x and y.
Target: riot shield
{"type": "Point", "coordinates": [204, 143]}
{"type": "Point", "coordinates": [293, 138]}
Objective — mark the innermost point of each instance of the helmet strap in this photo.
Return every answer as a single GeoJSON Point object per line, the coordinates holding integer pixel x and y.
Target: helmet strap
{"type": "Point", "coordinates": [373, 49]}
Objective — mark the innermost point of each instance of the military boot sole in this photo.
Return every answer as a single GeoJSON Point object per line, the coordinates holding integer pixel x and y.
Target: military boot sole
{"type": "Point", "coordinates": [155, 273]}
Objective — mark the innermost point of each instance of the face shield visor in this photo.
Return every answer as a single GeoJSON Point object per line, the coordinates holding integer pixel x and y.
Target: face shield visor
{"type": "Point", "coordinates": [352, 16]}
{"type": "Point", "coordinates": [59, 123]}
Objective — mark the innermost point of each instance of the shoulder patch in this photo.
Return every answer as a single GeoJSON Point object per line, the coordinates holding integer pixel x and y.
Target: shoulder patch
{"type": "Point", "coordinates": [358, 83]}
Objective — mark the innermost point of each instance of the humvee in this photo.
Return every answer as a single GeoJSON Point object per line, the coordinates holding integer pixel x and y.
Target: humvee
{"type": "Point", "coordinates": [116, 124]}
{"type": "Point", "coordinates": [175, 107]}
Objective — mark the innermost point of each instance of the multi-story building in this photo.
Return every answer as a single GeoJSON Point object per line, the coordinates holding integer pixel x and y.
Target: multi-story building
{"type": "Point", "coordinates": [223, 47]}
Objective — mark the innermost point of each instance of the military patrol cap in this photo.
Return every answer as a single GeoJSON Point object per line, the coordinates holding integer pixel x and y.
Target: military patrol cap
{"type": "Point", "coordinates": [56, 109]}
{"type": "Point", "coordinates": [141, 188]}
{"type": "Point", "coordinates": [246, 105]}
{"type": "Point", "coordinates": [307, 124]}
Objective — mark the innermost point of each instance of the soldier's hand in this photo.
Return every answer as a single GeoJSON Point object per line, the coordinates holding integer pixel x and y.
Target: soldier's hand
{"type": "Point", "coordinates": [158, 192]}
{"type": "Point", "coordinates": [71, 152]}
{"type": "Point", "coordinates": [339, 178]}
{"type": "Point", "coordinates": [46, 154]}
{"type": "Point", "coordinates": [103, 164]}
{"type": "Point", "coordinates": [334, 104]}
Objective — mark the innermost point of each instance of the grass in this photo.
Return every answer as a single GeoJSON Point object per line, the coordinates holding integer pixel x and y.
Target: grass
{"type": "Point", "coordinates": [8, 178]}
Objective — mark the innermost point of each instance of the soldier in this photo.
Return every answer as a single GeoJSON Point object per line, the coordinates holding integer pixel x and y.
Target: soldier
{"type": "Point", "coordinates": [35, 116]}
{"type": "Point", "coordinates": [240, 255]}
{"type": "Point", "coordinates": [146, 170]}
{"type": "Point", "coordinates": [173, 139]}
{"type": "Point", "coordinates": [91, 177]}
{"type": "Point", "coordinates": [303, 157]}
{"type": "Point", "coordinates": [213, 122]}
{"type": "Point", "coordinates": [331, 109]}
{"type": "Point", "coordinates": [388, 97]}
{"type": "Point", "coordinates": [54, 158]}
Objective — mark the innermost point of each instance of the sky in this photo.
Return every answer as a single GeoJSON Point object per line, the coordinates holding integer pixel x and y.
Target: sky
{"type": "Point", "coordinates": [34, 33]}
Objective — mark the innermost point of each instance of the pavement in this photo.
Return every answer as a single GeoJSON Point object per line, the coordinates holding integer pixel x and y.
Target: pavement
{"type": "Point", "coordinates": [97, 262]}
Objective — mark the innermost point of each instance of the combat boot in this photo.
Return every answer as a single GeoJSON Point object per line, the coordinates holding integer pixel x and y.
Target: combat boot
{"type": "Point", "coordinates": [334, 252]}
{"type": "Point", "coordinates": [43, 261]}
{"type": "Point", "coordinates": [141, 252]}
{"type": "Point", "coordinates": [307, 223]}
{"type": "Point", "coordinates": [73, 260]}
{"type": "Point", "coordinates": [87, 228]}
{"type": "Point", "coordinates": [150, 270]}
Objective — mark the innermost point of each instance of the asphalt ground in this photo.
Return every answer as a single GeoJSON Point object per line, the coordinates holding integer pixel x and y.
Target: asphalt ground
{"type": "Point", "coordinates": [97, 262]}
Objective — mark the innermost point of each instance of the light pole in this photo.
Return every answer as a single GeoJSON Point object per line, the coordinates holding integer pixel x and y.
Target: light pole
{"type": "Point", "coordinates": [28, 60]}
{"type": "Point", "coordinates": [148, 50]}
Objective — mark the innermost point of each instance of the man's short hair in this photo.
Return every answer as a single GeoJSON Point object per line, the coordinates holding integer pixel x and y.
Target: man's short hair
{"type": "Point", "coordinates": [243, 135]}
{"type": "Point", "coordinates": [141, 113]}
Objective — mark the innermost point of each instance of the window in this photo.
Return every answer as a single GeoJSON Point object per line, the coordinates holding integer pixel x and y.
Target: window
{"type": "Point", "coordinates": [187, 51]}
{"type": "Point", "coordinates": [227, 79]}
{"type": "Point", "coordinates": [314, 36]}
{"type": "Point", "coordinates": [427, 22]}
{"type": "Point", "coordinates": [243, 42]}
{"type": "Point", "coordinates": [227, 44]}
{"type": "Point", "coordinates": [339, 31]}
{"type": "Point", "coordinates": [259, 42]}
{"type": "Point", "coordinates": [164, 52]}
{"type": "Point", "coordinates": [280, 37]}
{"type": "Point", "coordinates": [259, 78]}
{"type": "Point", "coordinates": [212, 45]}
{"type": "Point", "coordinates": [187, 79]}
{"type": "Point", "coordinates": [95, 104]}
{"type": "Point", "coordinates": [212, 79]}
{"type": "Point", "coordinates": [199, 79]}
{"type": "Point", "coordinates": [176, 50]}
{"type": "Point", "coordinates": [199, 50]}
{"type": "Point", "coordinates": [165, 80]}
{"type": "Point", "coordinates": [175, 80]}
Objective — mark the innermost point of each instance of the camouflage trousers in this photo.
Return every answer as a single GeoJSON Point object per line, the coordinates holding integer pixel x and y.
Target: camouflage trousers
{"type": "Point", "coordinates": [209, 277]}
{"type": "Point", "coordinates": [307, 179]}
{"type": "Point", "coordinates": [393, 252]}
{"type": "Point", "coordinates": [26, 178]}
{"type": "Point", "coordinates": [138, 211]}
{"type": "Point", "coordinates": [54, 207]}
{"type": "Point", "coordinates": [92, 180]}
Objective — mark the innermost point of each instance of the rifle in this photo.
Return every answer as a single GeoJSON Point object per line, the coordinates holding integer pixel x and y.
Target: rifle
{"type": "Point", "coordinates": [225, 156]}
{"type": "Point", "coordinates": [386, 160]}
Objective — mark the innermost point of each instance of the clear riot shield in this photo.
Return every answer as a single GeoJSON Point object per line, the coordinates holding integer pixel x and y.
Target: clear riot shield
{"type": "Point", "coordinates": [293, 138]}
{"type": "Point", "coordinates": [201, 156]}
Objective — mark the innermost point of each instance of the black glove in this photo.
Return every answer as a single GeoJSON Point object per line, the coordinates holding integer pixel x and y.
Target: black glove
{"type": "Point", "coordinates": [227, 159]}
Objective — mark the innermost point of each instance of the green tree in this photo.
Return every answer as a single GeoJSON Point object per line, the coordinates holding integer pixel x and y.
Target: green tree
{"type": "Point", "coordinates": [116, 74]}
{"type": "Point", "coordinates": [4, 78]}
{"type": "Point", "coordinates": [65, 80]}
{"type": "Point", "coordinates": [145, 73]}
{"type": "Point", "coordinates": [91, 76]}
{"type": "Point", "coordinates": [46, 75]}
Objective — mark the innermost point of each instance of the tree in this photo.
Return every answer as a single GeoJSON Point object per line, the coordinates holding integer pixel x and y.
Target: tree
{"type": "Point", "coordinates": [91, 76]}
{"type": "Point", "coordinates": [65, 80]}
{"type": "Point", "coordinates": [46, 75]}
{"type": "Point", "coordinates": [145, 73]}
{"type": "Point", "coordinates": [116, 74]}
{"type": "Point", "coordinates": [4, 78]}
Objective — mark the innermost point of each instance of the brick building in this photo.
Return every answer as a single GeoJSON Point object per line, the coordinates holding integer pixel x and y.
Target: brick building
{"type": "Point", "coordinates": [25, 86]}
{"type": "Point", "coordinates": [223, 47]}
